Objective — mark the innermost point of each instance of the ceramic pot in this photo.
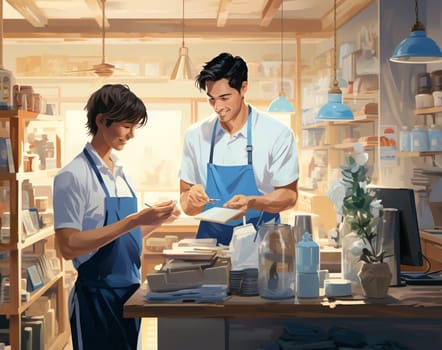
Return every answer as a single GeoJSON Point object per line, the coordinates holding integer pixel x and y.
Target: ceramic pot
{"type": "Point", "coordinates": [375, 279]}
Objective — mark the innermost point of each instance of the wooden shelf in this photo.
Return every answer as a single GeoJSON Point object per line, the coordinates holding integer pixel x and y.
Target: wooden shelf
{"type": "Point", "coordinates": [39, 292]}
{"type": "Point", "coordinates": [319, 125]}
{"type": "Point", "coordinates": [360, 119]}
{"type": "Point", "coordinates": [370, 95]}
{"type": "Point", "coordinates": [43, 234]}
{"type": "Point", "coordinates": [419, 154]}
{"type": "Point", "coordinates": [344, 146]}
{"type": "Point", "coordinates": [424, 111]}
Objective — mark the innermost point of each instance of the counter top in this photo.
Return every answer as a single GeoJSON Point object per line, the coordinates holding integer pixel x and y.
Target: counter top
{"type": "Point", "coordinates": [402, 302]}
{"type": "Point", "coordinates": [433, 237]}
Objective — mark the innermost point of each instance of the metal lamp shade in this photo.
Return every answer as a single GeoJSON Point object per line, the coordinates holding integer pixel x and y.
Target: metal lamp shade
{"type": "Point", "coordinates": [334, 109]}
{"type": "Point", "coordinates": [417, 48]}
{"type": "Point", "coordinates": [183, 69]}
{"type": "Point", "coordinates": [280, 104]}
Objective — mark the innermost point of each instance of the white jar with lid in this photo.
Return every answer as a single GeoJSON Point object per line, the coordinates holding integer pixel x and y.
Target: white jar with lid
{"type": "Point", "coordinates": [419, 138]}
{"type": "Point", "coordinates": [435, 137]}
{"type": "Point", "coordinates": [424, 101]}
{"type": "Point", "coordinates": [437, 98]}
{"type": "Point", "coordinates": [405, 139]}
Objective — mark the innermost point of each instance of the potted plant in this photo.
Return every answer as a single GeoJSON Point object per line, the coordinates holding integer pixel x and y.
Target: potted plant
{"type": "Point", "coordinates": [362, 212]}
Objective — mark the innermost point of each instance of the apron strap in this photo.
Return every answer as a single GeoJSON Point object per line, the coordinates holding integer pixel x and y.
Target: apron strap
{"type": "Point", "coordinates": [249, 147]}
{"type": "Point", "coordinates": [100, 178]}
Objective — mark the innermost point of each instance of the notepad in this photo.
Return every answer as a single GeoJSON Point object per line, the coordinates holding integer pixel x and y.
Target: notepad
{"type": "Point", "coordinates": [218, 214]}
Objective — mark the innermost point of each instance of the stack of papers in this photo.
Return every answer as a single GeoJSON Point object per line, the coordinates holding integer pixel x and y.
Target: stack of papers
{"type": "Point", "coordinates": [205, 294]}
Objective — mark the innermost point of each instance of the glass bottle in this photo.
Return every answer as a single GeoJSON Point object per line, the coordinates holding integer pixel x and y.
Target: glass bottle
{"type": "Point", "coordinates": [352, 246]}
{"type": "Point", "coordinates": [419, 137]}
{"type": "Point", "coordinates": [307, 267]}
{"type": "Point", "coordinates": [405, 139]}
{"type": "Point", "coordinates": [435, 136]}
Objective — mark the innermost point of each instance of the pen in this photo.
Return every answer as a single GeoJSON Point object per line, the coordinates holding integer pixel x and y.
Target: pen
{"type": "Point", "coordinates": [211, 200]}
{"type": "Point", "coordinates": [147, 205]}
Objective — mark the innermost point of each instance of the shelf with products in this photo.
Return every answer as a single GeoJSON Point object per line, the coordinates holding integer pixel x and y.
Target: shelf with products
{"type": "Point", "coordinates": [31, 270]}
{"type": "Point", "coordinates": [424, 141]}
{"type": "Point", "coordinates": [324, 144]}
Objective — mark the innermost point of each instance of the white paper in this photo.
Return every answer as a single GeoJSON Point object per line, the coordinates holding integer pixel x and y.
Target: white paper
{"type": "Point", "coordinates": [244, 249]}
{"type": "Point", "coordinates": [218, 214]}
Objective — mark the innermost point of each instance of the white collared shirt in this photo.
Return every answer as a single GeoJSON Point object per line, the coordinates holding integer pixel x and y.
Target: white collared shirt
{"type": "Point", "coordinates": [275, 156]}
{"type": "Point", "coordinates": [78, 196]}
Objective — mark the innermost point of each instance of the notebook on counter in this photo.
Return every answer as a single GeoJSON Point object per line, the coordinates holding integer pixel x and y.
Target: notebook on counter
{"type": "Point", "coordinates": [218, 214]}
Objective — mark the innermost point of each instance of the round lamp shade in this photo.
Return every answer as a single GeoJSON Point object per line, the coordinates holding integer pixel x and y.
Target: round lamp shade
{"type": "Point", "coordinates": [334, 109]}
{"type": "Point", "coordinates": [417, 48]}
{"type": "Point", "coordinates": [280, 104]}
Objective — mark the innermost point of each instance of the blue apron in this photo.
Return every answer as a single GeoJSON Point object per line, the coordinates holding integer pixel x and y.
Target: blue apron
{"type": "Point", "coordinates": [106, 281]}
{"type": "Point", "coordinates": [225, 181]}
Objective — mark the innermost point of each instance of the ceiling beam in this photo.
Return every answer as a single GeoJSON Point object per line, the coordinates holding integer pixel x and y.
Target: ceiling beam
{"type": "Point", "coordinates": [158, 28]}
{"type": "Point", "coordinates": [223, 12]}
{"type": "Point", "coordinates": [30, 11]}
{"type": "Point", "coordinates": [144, 28]}
{"type": "Point", "coordinates": [345, 10]}
{"type": "Point", "coordinates": [270, 9]}
{"type": "Point", "coordinates": [96, 8]}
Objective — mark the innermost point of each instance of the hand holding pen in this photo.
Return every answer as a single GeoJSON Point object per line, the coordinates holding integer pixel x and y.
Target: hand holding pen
{"type": "Point", "coordinates": [159, 213]}
{"type": "Point", "coordinates": [197, 196]}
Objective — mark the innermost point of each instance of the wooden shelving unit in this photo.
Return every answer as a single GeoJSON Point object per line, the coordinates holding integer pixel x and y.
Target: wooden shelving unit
{"type": "Point", "coordinates": [27, 243]}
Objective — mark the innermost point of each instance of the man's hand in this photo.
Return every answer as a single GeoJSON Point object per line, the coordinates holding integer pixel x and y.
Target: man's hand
{"type": "Point", "coordinates": [158, 213]}
{"type": "Point", "coordinates": [197, 196]}
{"type": "Point", "coordinates": [240, 202]}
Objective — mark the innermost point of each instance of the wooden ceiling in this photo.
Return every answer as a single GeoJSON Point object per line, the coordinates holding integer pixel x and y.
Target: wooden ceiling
{"type": "Point", "coordinates": [155, 20]}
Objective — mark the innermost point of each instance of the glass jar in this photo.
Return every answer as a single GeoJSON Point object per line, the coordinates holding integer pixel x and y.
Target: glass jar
{"type": "Point", "coordinates": [352, 246]}
{"type": "Point", "coordinates": [405, 139]}
{"type": "Point", "coordinates": [276, 251]}
{"type": "Point", "coordinates": [419, 137]}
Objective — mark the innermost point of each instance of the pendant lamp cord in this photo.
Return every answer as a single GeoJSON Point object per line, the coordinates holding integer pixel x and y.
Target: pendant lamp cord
{"type": "Point", "coordinates": [417, 25]}
{"type": "Point", "coordinates": [1, 35]}
{"type": "Point", "coordinates": [335, 87]}
{"type": "Point", "coordinates": [182, 24]}
{"type": "Point", "coordinates": [103, 32]}
{"type": "Point", "coordinates": [282, 45]}
{"type": "Point", "coordinates": [416, 11]}
{"type": "Point", "coordinates": [335, 81]}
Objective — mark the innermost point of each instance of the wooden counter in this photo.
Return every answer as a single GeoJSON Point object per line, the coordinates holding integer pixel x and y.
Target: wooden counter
{"type": "Point", "coordinates": [432, 249]}
{"type": "Point", "coordinates": [402, 302]}
{"type": "Point", "coordinates": [408, 315]}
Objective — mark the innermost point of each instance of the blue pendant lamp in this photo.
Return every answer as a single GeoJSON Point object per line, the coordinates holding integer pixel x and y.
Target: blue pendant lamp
{"type": "Point", "coordinates": [281, 103]}
{"type": "Point", "coordinates": [334, 109]}
{"type": "Point", "coordinates": [417, 48]}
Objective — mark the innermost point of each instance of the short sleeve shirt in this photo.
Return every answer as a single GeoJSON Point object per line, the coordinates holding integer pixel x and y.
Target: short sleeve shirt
{"type": "Point", "coordinates": [275, 156]}
{"type": "Point", "coordinates": [79, 198]}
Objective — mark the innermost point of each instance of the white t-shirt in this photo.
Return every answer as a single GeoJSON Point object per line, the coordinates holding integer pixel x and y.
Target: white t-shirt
{"type": "Point", "coordinates": [275, 156]}
{"type": "Point", "coordinates": [78, 196]}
